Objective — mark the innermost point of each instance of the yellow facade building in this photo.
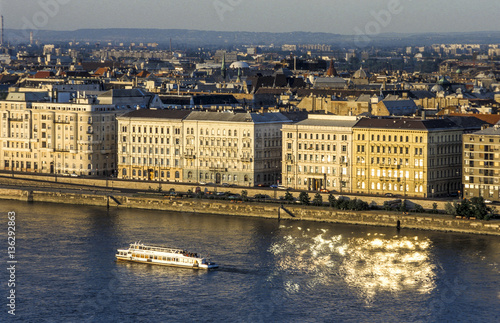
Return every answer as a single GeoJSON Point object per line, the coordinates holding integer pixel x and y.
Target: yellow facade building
{"type": "Point", "coordinates": [407, 157]}
{"type": "Point", "coordinates": [317, 153]}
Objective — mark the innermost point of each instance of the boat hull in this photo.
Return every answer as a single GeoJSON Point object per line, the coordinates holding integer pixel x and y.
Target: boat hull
{"type": "Point", "coordinates": [169, 264]}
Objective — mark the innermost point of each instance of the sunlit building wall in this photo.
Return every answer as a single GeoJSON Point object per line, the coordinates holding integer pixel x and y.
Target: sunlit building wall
{"type": "Point", "coordinates": [317, 153]}
{"type": "Point", "coordinates": [150, 145]}
{"type": "Point", "coordinates": [42, 136]}
{"type": "Point", "coordinates": [481, 176]}
{"type": "Point", "coordinates": [233, 148]}
{"type": "Point", "coordinates": [407, 157]}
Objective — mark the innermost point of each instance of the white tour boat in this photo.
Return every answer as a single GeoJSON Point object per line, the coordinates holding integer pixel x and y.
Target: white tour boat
{"type": "Point", "coordinates": [138, 252]}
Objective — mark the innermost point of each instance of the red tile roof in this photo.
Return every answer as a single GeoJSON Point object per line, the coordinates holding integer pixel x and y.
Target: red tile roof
{"type": "Point", "coordinates": [489, 118]}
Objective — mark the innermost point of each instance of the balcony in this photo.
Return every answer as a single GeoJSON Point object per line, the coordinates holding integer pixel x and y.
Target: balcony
{"type": "Point", "coordinates": [190, 156]}
{"type": "Point", "coordinates": [62, 121]}
{"type": "Point", "coordinates": [393, 179]}
{"type": "Point", "coordinates": [16, 119]}
{"type": "Point", "coordinates": [61, 150]}
{"type": "Point", "coordinates": [246, 159]}
{"type": "Point", "coordinates": [217, 169]}
{"type": "Point", "coordinates": [386, 165]}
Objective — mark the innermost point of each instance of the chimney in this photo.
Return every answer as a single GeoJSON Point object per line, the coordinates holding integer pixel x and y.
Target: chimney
{"type": "Point", "coordinates": [423, 115]}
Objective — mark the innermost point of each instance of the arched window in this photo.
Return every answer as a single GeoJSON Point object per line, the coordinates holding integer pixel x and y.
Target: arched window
{"type": "Point", "coordinates": [190, 175]}
{"type": "Point", "coordinates": [246, 178]}
{"type": "Point", "coordinates": [168, 174]}
{"type": "Point", "coordinates": [139, 172]}
{"type": "Point", "coordinates": [133, 172]}
{"type": "Point", "coordinates": [124, 172]}
{"type": "Point", "coordinates": [162, 174]}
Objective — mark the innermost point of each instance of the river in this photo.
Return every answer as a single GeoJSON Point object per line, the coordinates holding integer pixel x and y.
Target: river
{"type": "Point", "coordinates": [270, 271]}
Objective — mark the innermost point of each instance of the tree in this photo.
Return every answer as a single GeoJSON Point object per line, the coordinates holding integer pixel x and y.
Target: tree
{"type": "Point", "coordinates": [244, 195]}
{"type": "Point", "coordinates": [435, 208]}
{"type": "Point", "coordinates": [451, 209]}
{"type": "Point", "coordinates": [479, 210]}
{"type": "Point", "coordinates": [318, 200]}
{"type": "Point", "coordinates": [419, 208]}
{"type": "Point", "coordinates": [351, 205]}
{"type": "Point", "coordinates": [332, 200]}
{"type": "Point", "coordinates": [474, 208]}
{"type": "Point", "coordinates": [342, 203]}
{"type": "Point", "coordinates": [464, 209]}
{"type": "Point", "coordinates": [361, 205]}
{"type": "Point", "coordinates": [304, 198]}
{"type": "Point", "coordinates": [288, 196]}
{"type": "Point", "coordinates": [402, 208]}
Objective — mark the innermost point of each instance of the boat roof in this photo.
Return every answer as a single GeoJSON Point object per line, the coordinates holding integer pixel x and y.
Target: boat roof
{"type": "Point", "coordinates": [157, 248]}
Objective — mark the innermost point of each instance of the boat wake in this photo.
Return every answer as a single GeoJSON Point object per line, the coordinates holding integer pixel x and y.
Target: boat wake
{"type": "Point", "coordinates": [236, 270]}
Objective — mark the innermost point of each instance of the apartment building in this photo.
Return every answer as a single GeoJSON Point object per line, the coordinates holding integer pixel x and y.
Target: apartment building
{"type": "Point", "coordinates": [234, 148]}
{"type": "Point", "coordinates": [195, 147]}
{"type": "Point", "coordinates": [407, 157]}
{"type": "Point", "coordinates": [40, 135]}
{"type": "Point", "coordinates": [481, 155]}
{"type": "Point", "coordinates": [317, 153]}
{"type": "Point", "coordinates": [150, 145]}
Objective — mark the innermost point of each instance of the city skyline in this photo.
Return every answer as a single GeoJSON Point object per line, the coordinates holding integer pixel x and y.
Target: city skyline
{"type": "Point", "coordinates": [363, 17]}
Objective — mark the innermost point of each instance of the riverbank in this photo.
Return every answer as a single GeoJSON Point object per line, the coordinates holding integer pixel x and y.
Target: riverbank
{"type": "Point", "coordinates": [104, 198]}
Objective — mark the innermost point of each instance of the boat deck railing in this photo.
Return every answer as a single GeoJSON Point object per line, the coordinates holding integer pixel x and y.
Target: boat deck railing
{"type": "Point", "coordinates": [136, 246]}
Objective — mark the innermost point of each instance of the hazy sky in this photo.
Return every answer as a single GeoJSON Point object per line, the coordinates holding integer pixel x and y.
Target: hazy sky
{"type": "Point", "coordinates": [335, 16]}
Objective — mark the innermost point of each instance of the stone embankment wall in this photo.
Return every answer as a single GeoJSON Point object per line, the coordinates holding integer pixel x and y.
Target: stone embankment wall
{"type": "Point", "coordinates": [111, 184]}
{"type": "Point", "coordinates": [262, 210]}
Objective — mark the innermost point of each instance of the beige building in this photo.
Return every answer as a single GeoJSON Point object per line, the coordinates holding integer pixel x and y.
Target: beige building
{"type": "Point", "coordinates": [200, 147]}
{"type": "Point", "coordinates": [317, 153]}
{"type": "Point", "coordinates": [482, 164]}
{"type": "Point", "coordinates": [150, 145]}
{"type": "Point", "coordinates": [407, 157]}
{"type": "Point", "coordinates": [76, 137]}
{"type": "Point", "coordinates": [350, 107]}
{"type": "Point", "coordinates": [233, 148]}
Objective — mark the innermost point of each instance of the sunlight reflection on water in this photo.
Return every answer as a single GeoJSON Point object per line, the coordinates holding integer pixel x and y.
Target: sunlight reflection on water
{"type": "Point", "coordinates": [369, 265]}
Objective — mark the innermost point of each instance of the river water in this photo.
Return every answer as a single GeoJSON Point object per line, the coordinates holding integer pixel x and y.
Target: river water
{"type": "Point", "coordinates": [270, 271]}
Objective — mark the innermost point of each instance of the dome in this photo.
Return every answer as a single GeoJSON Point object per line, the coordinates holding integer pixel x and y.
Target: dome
{"type": "Point", "coordinates": [443, 81]}
{"type": "Point", "coordinates": [236, 65]}
{"type": "Point", "coordinates": [437, 88]}
{"type": "Point", "coordinates": [360, 74]}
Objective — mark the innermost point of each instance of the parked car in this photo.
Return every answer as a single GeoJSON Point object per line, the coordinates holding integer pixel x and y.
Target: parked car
{"type": "Point", "coordinates": [324, 190]}
{"type": "Point", "coordinates": [488, 201]}
{"type": "Point", "coordinates": [261, 196]}
{"type": "Point", "coordinates": [281, 187]}
{"type": "Point", "coordinates": [273, 186]}
{"type": "Point", "coordinates": [225, 184]}
{"type": "Point", "coordinates": [389, 194]}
